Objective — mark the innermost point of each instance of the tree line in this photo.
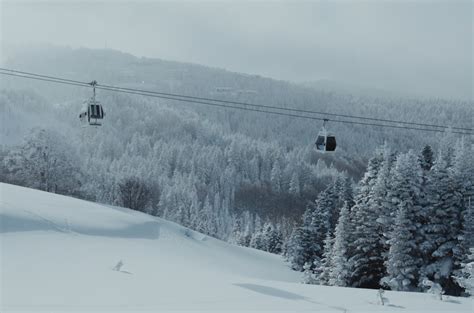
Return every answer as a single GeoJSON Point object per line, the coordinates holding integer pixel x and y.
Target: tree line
{"type": "Point", "coordinates": [408, 227]}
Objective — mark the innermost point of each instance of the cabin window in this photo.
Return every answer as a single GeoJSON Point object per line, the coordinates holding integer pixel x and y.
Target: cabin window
{"type": "Point", "coordinates": [331, 143]}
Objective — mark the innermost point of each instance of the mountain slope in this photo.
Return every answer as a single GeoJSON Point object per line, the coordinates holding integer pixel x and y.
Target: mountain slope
{"type": "Point", "coordinates": [58, 254]}
{"type": "Point", "coordinates": [117, 68]}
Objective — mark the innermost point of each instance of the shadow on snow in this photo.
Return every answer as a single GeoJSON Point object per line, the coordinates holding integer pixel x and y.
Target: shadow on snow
{"type": "Point", "coordinates": [11, 224]}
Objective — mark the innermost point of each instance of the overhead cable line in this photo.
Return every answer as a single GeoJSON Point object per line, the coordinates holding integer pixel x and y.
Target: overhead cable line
{"type": "Point", "coordinates": [214, 102]}
{"type": "Point", "coordinates": [246, 103]}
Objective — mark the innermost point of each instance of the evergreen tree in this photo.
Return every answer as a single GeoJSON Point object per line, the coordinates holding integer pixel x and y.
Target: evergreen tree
{"type": "Point", "coordinates": [276, 178]}
{"type": "Point", "coordinates": [366, 249]}
{"type": "Point", "coordinates": [306, 247]}
{"type": "Point", "coordinates": [339, 265]}
{"type": "Point", "coordinates": [462, 173]}
{"type": "Point", "coordinates": [245, 236]}
{"type": "Point", "coordinates": [426, 158]}
{"type": "Point", "coordinates": [308, 274]}
{"type": "Point", "coordinates": [383, 198]}
{"type": "Point", "coordinates": [342, 192]}
{"type": "Point", "coordinates": [319, 219]}
{"type": "Point", "coordinates": [347, 194]}
{"type": "Point", "coordinates": [289, 246]}
{"type": "Point", "coordinates": [324, 213]}
{"type": "Point", "coordinates": [207, 222]}
{"type": "Point", "coordinates": [442, 227]}
{"type": "Point", "coordinates": [323, 266]}
{"type": "Point", "coordinates": [404, 257]}
{"type": "Point", "coordinates": [295, 184]}
{"type": "Point", "coordinates": [327, 207]}
{"type": "Point", "coordinates": [237, 231]}
{"type": "Point", "coordinates": [258, 241]}
{"type": "Point", "coordinates": [272, 239]}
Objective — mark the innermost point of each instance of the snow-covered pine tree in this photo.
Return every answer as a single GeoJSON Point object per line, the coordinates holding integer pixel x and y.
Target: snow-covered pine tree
{"type": "Point", "coordinates": [426, 158]}
{"type": "Point", "coordinates": [426, 163]}
{"type": "Point", "coordinates": [208, 221]}
{"type": "Point", "coordinates": [339, 265]}
{"type": "Point", "coordinates": [403, 260]}
{"type": "Point", "coordinates": [404, 257]}
{"type": "Point", "coordinates": [380, 197]}
{"type": "Point", "coordinates": [308, 274]}
{"type": "Point", "coordinates": [290, 244]}
{"type": "Point", "coordinates": [237, 230]}
{"type": "Point", "coordinates": [324, 216]}
{"type": "Point", "coordinates": [272, 238]}
{"type": "Point", "coordinates": [258, 240]}
{"type": "Point", "coordinates": [365, 249]}
{"type": "Point", "coordinates": [440, 232]}
{"type": "Point", "coordinates": [462, 173]}
{"type": "Point", "coordinates": [323, 266]}
{"type": "Point", "coordinates": [276, 177]}
{"type": "Point", "coordinates": [319, 219]}
{"type": "Point", "coordinates": [305, 246]}
{"type": "Point", "coordinates": [341, 188]}
{"type": "Point", "coordinates": [295, 184]}
{"type": "Point", "coordinates": [446, 147]}
{"type": "Point", "coordinates": [347, 194]}
{"type": "Point", "coordinates": [327, 207]}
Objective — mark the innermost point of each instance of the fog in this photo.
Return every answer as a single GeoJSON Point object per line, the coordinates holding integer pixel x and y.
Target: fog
{"type": "Point", "coordinates": [412, 48]}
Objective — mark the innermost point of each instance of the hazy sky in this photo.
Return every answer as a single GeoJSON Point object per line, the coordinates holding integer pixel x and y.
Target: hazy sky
{"type": "Point", "coordinates": [413, 47]}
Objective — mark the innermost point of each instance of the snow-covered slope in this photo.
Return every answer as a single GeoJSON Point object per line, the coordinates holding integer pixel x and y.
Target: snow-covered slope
{"type": "Point", "coordinates": [58, 255]}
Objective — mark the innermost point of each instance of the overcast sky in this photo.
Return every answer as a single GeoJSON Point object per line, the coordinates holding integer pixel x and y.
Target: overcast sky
{"type": "Point", "coordinates": [412, 47]}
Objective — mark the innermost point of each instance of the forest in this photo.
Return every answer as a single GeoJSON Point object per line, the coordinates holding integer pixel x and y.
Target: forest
{"type": "Point", "coordinates": [408, 226]}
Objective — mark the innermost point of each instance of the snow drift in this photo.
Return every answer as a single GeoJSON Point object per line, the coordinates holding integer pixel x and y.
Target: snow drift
{"type": "Point", "coordinates": [60, 254]}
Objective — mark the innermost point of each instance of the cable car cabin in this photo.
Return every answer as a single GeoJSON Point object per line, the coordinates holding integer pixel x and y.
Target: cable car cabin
{"type": "Point", "coordinates": [92, 114]}
{"type": "Point", "coordinates": [325, 142]}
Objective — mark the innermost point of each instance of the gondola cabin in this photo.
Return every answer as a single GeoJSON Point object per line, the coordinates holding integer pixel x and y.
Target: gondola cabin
{"type": "Point", "coordinates": [325, 142]}
{"type": "Point", "coordinates": [92, 114]}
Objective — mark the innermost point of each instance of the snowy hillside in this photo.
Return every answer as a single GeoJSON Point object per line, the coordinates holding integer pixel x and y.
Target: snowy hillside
{"type": "Point", "coordinates": [58, 255]}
